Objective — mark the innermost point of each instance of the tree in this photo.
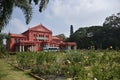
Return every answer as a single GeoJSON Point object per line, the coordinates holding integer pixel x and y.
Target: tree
{"type": "Point", "coordinates": [2, 46]}
{"type": "Point", "coordinates": [62, 36]}
{"type": "Point", "coordinates": [7, 6]}
{"type": "Point", "coordinates": [86, 37]}
{"type": "Point", "coordinates": [101, 37]}
{"type": "Point", "coordinates": [71, 30]}
{"type": "Point", "coordinates": [112, 21]}
{"type": "Point", "coordinates": [71, 33]}
{"type": "Point", "coordinates": [112, 28]}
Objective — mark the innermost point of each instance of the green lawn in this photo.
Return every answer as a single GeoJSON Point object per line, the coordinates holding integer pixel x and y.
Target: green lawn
{"type": "Point", "coordinates": [7, 72]}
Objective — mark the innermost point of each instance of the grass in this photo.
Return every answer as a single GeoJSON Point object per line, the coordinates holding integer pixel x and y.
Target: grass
{"type": "Point", "coordinates": [7, 72]}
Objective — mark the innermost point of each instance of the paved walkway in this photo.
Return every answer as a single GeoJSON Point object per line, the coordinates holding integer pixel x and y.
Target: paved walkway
{"type": "Point", "coordinates": [11, 73]}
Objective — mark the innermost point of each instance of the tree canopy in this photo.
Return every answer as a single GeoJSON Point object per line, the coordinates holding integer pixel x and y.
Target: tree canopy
{"type": "Point", "coordinates": [101, 37]}
{"type": "Point", "coordinates": [112, 21]}
{"type": "Point", "coordinates": [7, 6]}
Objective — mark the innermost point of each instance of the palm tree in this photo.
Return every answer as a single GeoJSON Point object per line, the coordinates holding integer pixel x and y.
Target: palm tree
{"type": "Point", "coordinates": [7, 6]}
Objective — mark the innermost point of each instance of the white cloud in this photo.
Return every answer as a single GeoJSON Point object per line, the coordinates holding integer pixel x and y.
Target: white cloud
{"type": "Point", "coordinates": [74, 11]}
{"type": "Point", "coordinates": [82, 12]}
{"type": "Point", "coordinates": [77, 7]}
{"type": "Point", "coordinates": [16, 26]}
{"type": "Point", "coordinates": [60, 14]}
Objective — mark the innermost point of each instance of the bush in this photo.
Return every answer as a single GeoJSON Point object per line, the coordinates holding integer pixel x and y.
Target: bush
{"type": "Point", "coordinates": [78, 65]}
{"type": "Point", "coordinates": [26, 60]}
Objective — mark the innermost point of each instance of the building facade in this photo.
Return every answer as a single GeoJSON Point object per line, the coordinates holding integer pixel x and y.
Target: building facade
{"type": "Point", "coordinates": [36, 39]}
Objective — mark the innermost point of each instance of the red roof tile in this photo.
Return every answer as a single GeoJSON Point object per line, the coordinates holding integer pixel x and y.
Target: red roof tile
{"type": "Point", "coordinates": [17, 35]}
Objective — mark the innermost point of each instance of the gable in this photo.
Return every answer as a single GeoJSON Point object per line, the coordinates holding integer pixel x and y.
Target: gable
{"type": "Point", "coordinates": [40, 28]}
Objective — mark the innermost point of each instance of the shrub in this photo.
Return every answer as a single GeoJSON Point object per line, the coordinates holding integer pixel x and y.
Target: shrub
{"type": "Point", "coordinates": [78, 65]}
{"type": "Point", "coordinates": [25, 60]}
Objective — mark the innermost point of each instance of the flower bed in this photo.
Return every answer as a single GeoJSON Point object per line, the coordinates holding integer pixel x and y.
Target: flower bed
{"type": "Point", "coordinates": [77, 65]}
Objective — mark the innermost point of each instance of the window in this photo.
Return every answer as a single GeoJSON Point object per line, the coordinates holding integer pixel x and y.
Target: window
{"type": "Point", "coordinates": [17, 40]}
{"type": "Point", "coordinates": [34, 34]}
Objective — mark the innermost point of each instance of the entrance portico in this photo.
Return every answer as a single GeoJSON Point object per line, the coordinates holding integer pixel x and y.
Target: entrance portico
{"type": "Point", "coordinates": [25, 46]}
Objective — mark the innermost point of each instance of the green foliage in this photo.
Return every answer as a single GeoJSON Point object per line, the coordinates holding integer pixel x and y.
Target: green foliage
{"type": "Point", "coordinates": [45, 63]}
{"type": "Point", "coordinates": [105, 69]}
{"type": "Point", "coordinates": [2, 74]}
{"type": "Point", "coordinates": [112, 21]}
{"type": "Point", "coordinates": [62, 36]}
{"type": "Point", "coordinates": [71, 29]}
{"type": "Point", "coordinates": [2, 46]}
{"type": "Point", "coordinates": [26, 60]}
{"type": "Point", "coordinates": [99, 37]}
{"type": "Point", "coordinates": [2, 51]}
{"type": "Point", "coordinates": [7, 6]}
{"type": "Point", "coordinates": [79, 65]}
{"type": "Point", "coordinates": [7, 9]}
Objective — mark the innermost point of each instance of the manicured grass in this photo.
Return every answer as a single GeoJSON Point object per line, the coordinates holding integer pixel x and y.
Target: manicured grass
{"type": "Point", "coordinates": [8, 72]}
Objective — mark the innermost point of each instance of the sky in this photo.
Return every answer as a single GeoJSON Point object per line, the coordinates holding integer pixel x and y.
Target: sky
{"type": "Point", "coordinates": [60, 14]}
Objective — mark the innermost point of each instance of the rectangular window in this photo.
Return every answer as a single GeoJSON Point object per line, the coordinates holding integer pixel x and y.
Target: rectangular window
{"type": "Point", "coordinates": [17, 40]}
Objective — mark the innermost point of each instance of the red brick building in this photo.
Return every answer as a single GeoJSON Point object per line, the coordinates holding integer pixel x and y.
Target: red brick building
{"type": "Point", "coordinates": [36, 39]}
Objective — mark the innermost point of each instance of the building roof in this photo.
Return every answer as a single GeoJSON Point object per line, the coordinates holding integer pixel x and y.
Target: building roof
{"type": "Point", "coordinates": [55, 37]}
{"type": "Point", "coordinates": [69, 43]}
{"type": "Point", "coordinates": [17, 35]}
{"type": "Point", "coordinates": [41, 28]}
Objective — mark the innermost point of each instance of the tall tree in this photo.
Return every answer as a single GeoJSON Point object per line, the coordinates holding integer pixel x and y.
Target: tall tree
{"type": "Point", "coordinates": [112, 28]}
{"type": "Point", "coordinates": [71, 30]}
{"type": "Point", "coordinates": [7, 6]}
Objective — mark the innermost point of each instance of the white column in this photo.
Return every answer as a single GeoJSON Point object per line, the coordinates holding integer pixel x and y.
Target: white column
{"type": "Point", "coordinates": [32, 48]}
{"type": "Point", "coordinates": [75, 47]}
{"type": "Point", "coordinates": [69, 47]}
{"type": "Point", "coordinates": [23, 48]}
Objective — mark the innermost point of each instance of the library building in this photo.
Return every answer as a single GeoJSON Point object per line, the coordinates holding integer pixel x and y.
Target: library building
{"type": "Point", "coordinates": [37, 38]}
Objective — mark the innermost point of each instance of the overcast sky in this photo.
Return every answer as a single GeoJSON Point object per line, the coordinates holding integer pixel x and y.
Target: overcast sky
{"type": "Point", "coordinates": [60, 14]}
